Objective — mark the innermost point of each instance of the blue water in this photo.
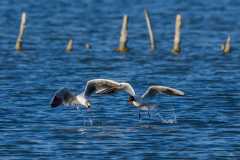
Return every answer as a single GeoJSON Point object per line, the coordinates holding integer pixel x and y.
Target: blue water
{"type": "Point", "coordinates": [204, 124]}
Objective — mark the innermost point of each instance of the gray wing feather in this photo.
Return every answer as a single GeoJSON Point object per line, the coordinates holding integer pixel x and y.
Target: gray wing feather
{"type": "Point", "coordinates": [153, 90]}
{"type": "Point", "coordinates": [98, 85]}
{"type": "Point", "coordinates": [106, 86]}
{"type": "Point", "coordinates": [105, 91]}
{"type": "Point", "coordinates": [122, 87]}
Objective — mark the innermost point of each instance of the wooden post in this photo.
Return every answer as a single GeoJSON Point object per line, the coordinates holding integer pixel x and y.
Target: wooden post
{"type": "Point", "coordinates": [123, 37]}
{"type": "Point", "coordinates": [226, 46]}
{"type": "Point", "coordinates": [19, 41]}
{"type": "Point", "coordinates": [150, 31]}
{"type": "Point", "coordinates": [176, 44]}
{"type": "Point", "coordinates": [69, 47]}
{"type": "Point", "coordinates": [88, 45]}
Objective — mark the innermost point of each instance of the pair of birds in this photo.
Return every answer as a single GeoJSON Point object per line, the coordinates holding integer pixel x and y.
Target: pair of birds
{"type": "Point", "coordinates": [105, 86]}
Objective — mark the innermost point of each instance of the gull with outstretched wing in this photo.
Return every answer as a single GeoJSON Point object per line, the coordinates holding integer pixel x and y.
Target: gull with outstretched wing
{"type": "Point", "coordinates": [151, 92]}
{"type": "Point", "coordinates": [100, 86]}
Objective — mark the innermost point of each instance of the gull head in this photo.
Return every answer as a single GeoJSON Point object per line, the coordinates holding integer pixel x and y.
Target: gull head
{"type": "Point", "coordinates": [131, 99]}
{"type": "Point", "coordinates": [88, 104]}
{"type": "Point", "coordinates": [84, 101]}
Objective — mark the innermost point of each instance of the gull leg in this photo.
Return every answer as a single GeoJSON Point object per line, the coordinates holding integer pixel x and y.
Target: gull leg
{"type": "Point", "coordinates": [149, 114]}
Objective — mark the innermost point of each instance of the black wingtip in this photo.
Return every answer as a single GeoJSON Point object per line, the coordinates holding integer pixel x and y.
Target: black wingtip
{"type": "Point", "coordinates": [56, 102]}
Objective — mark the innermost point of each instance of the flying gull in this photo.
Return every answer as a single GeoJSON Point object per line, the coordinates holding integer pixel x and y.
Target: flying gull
{"type": "Point", "coordinates": [150, 92]}
{"type": "Point", "coordinates": [66, 97]}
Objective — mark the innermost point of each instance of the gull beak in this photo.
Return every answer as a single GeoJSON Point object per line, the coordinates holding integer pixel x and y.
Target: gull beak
{"type": "Point", "coordinates": [88, 104]}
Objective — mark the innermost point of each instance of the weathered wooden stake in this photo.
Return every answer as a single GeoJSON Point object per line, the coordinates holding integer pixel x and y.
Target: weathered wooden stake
{"type": "Point", "coordinates": [176, 44]}
{"type": "Point", "coordinates": [69, 47]}
{"type": "Point", "coordinates": [123, 37]}
{"type": "Point", "coordinates": [150, 31]}
{"type": "Point", "coordinates": [87, 45]}
{"type": "Point", "coordinates": [226, 46]}
{"type": "Point", "coordinates": [19, 42]}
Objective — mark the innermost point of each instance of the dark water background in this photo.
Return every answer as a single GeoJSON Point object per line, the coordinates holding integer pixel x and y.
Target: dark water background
{"type": "Point", "coordinates": [205, 124]}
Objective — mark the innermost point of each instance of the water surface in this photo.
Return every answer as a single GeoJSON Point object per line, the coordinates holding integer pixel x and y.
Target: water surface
{"type": "Point", "coordinates": [202, 125]}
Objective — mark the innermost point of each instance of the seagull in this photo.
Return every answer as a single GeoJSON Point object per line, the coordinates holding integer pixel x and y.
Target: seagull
{"type": "Point", "coordinates": [104, 86]}
{"type": "Point", "coordinates": [139, 101]}
{"type": "Point", "coordinates": [151, 92]}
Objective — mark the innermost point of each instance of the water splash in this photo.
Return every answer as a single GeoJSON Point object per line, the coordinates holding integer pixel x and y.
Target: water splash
{"type": "Point", "coordinates": [167, 116]}
{"type": "Point", "coordinates": [87, 122]}
{"type": "Point", "coordinates": [87, 119]}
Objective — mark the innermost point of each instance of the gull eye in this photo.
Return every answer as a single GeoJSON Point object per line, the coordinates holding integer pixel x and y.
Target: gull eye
{"type": "Point", "coordinates": [88, 104]}
{"type": "Point", "coordinates": [131, 98]}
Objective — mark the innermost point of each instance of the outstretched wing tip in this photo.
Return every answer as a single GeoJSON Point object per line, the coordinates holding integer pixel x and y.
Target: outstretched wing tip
{"type": "Point", "coordinates": [153, 90]}
{"type": "Point", "coordinates": [181, 93]}
{"type": "Point", "coordinates": [55, 102]}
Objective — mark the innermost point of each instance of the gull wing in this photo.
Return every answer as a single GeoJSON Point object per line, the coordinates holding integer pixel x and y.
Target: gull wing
{"type": "Point", "coordinates": [123, 87]}
{"type": "Point", "coordinates": [63, 96]}
{"type": "Point", "coordinates": [153, 90]}
{"type": "Point", "coordinates": [100, 86]}
{"type": "Point", "coordinates": [128, 88]}
{"type": "Point", "coordinates": [106, 86]}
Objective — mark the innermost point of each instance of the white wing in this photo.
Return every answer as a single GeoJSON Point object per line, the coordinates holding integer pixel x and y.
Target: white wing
{"type": "Point", "coordinates": [128, 88]}
{"type": "Point", "coordinates": [106, 86]}
{"type": "Point", "coordinates": [153, 90]}
{"type": "Point", "coordinates": [98, 85]}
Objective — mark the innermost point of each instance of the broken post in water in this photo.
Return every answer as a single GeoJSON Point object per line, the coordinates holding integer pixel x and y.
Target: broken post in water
{"type": "Point", "coordinates": [150, 31]}
{"type": "Point", "coordinates": [176, 44]}
{"type": "Point", "coordinates": [19, 42]}
{"type": "Point", "coordinates": [123, 37]}
{"type": "Point", "coordinates": [226, 46]}
{"type": "Point", "coordinates": [69, 47]}
{"type": "Point", "coordinates": [87, 45]}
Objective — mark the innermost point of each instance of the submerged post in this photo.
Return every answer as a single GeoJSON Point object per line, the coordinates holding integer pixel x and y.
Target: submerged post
{"type": "Point", "coordinates": [150, 31]}
{"type": "Point", "coordinates": [87, 45]}
{"type": "Point", "coordinates": [19, 41]}
{"type": "Point", "coordinates": [226, 46]}
{"type": "Point", "coordinates": [69, 47]}
{"type": "Point", "coordinates": [176, 44]}
{"type": "Point", "coordinates": [123, 36]}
